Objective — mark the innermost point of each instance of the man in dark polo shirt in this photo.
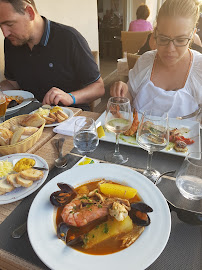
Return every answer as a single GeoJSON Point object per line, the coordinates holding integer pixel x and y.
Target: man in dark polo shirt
{"type": "Point", "coordinates": [51, 60]}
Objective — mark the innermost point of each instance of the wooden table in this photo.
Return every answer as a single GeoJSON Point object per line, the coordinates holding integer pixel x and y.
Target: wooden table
{"type": "Point", "coordinates": [46, 150]}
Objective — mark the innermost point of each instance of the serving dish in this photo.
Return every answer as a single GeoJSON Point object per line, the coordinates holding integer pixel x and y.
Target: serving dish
{"type": "Point", "coordinates": [68, 111]}
{"type": "Point", "coordinates": [194, 133]}
{"type": "Point", "coordinates": [21, 192]}
{"type": "Point", "coordinates": [24, 94]}
{"type": "Point", "coordinates": [56, 255]}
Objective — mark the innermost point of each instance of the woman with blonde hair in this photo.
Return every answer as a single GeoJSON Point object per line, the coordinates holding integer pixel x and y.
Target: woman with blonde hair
{"type": "Point", "coordinates": [169, 78]}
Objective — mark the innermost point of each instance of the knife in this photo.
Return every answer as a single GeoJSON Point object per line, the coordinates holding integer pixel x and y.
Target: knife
{"type": "Point", "coordinates": [191, 114]}
{"type": "Point", "coordinates": [31, 99]}
{"type": "Point", "coordinates": [40, 168]}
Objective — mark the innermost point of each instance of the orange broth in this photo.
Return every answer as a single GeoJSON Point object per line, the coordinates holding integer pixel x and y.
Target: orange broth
{"type": "Point", "coordinates": [108, 246]}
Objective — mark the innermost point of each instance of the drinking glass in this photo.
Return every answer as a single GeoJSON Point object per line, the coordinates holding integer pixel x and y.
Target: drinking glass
{"type": "Point", "coordinates": [3, 106]}
{"type": "Point", "coordinates": [85, 135]}
{"type": "Point", "coordinates": [189, 177]}
{"type": "Point", "coordinates": [153, 135]}
{"type": "Point", "coordinates": [117, 120]}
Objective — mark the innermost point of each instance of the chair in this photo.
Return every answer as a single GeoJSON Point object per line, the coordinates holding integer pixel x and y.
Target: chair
{"type": "Point", "coordinates": [94, 103]}
{"type": "Point", "coordinates": [131, 59]}
{"type": "Point", "coordinates": [133, 41]}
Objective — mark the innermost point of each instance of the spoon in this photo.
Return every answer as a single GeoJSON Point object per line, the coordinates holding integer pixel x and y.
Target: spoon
{"type": "Point", "coordinates": [60, 162]}
{"type": "Point", "coordinates": [17, 233]}
{"type": "Point", "coordinates": [158, 180]}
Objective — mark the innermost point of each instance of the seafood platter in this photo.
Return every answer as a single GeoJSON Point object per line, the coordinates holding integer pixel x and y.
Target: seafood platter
{"type": "Point", "coordinates": [184, 135]}
{"type": "Point", "coordinates": [101, 214]}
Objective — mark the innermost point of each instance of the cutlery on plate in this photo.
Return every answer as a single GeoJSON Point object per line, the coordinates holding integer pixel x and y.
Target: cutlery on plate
{"type": "Point", "coordinates": [19, 231]}
{"type": "Point", "coordinates": [191, 114]}
{"type": "Point", "coordinates": [31, 99]}
{"type": "Point", "coordinates": [162, 174]}
{"type": "Point", "coordinates": [40, 168]}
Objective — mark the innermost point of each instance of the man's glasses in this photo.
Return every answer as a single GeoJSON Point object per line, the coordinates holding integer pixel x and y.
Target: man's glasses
{"type": "Point", "coordinates": [178, 42]}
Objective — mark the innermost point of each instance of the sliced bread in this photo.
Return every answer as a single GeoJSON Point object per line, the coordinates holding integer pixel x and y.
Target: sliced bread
{"type": "Point", "coordinates": [11, 179]}
{"type": "Point", "coordinates": [32, 174]}
{"type": "Point", "coordinates": [23, 182]}
{"type": "Point", "coordinates": [17, 135]}
{"type": "Point", "coordinates": [33, 120]}
{"type": "Point", "coordinates": [5, 186]}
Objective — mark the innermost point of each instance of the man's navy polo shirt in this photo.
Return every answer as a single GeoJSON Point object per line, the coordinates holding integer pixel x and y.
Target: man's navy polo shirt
{"type": "Point", "coordinates": [62, 59]}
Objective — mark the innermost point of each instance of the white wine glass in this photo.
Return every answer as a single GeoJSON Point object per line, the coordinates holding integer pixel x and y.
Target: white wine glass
{"type": "Point", "coordinates": [85, 135]}
{"type": "Point", "coordinates": [117, 120]}
{"type": "Point", "coordinates": [153, 135]}
{"type": "Point", "coordinates": [3, 106]}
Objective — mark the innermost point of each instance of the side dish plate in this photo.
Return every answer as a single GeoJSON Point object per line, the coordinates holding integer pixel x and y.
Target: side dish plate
{"type": "Point", "coordinates": [56, 255]}
{"type": "Point", "coordinates": [22, 192]}
{"type": "Point", "coordinates": [24, 94]}
{"type": "Point", "coordinates": [194, 133]}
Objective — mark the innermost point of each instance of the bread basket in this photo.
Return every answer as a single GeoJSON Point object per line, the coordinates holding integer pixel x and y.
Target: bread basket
{"type": "Point", "coordinates": [24, 145]}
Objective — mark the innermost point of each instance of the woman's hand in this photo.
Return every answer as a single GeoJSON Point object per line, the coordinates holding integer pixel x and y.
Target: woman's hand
{"type": "Point", "coordinates": [119, 89]}
{"type": "Point", "coordinates": [56, 95]}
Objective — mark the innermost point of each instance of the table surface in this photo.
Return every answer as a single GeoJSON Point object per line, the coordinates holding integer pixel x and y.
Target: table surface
{"type": "Point", "coordinates": [45, 149]}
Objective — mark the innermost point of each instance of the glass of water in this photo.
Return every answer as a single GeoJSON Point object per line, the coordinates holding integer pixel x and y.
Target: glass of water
{"type": "Point", "coordinates": [189, 177]}
{"type": "Point", "coordinates": [85, 135]}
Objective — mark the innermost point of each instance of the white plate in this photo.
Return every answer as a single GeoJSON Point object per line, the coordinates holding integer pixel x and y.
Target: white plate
{"type": "Point", "coordinates": [194, 133]}
{"type": "Point", "coordinates": [56, 255]}
{"type": "Point", "coordinates": [24, 94]}
{"type": "Point", "coordinates": [66, 110]}
{"type": "Point", "coordinates": [22, 192]}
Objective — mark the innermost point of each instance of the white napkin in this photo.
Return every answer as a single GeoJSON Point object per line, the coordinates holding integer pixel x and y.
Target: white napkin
{"type": "Point", "coordinates": [67, 127]}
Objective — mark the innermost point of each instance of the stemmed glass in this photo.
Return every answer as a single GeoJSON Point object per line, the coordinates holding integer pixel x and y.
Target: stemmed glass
{"type": "Point", "coordinates": [3, 106]}
{"type": "Point", "coordinates": [85, 135]}
{"type": "Point", "coordinates": [117, 120]}
{"type": "Point", "coordinates": [153, 135]}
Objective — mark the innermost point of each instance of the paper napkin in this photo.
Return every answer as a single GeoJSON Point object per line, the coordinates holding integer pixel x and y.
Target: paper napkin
{"type": "Point", "coordinates": [67, 127]}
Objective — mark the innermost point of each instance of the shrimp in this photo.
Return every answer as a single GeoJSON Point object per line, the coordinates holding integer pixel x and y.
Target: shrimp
{"type": "Point", "coordinates": [75, 215]}
{"type": "Point", "coordinates": [133, 129]}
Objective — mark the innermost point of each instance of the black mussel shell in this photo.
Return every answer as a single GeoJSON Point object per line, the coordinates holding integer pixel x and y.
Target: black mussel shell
{"type": "Point", "coordinates": [63, 196]}
{"type": "Point", "coordinates": [13, 103]}
{"type": "Point", "coordinates": [142, 207]}
{"type": "Point", "coordinates": [66, 233]}
{"type": "Point", "coordinates": [62, 230]}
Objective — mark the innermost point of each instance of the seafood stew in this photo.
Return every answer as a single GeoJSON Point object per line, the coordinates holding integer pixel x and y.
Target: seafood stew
{"type": "Point", "coordinates": [99, 217]}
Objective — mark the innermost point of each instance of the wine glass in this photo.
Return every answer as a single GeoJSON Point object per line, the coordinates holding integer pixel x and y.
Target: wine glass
{"type": "Point", "coordinates": [3, 106]}
{"type": "Point", "coordinates": [85, 135]}
{"type": "Point", "coordinates": [117, 120]}
{"type": "Point", "coordinates": [189, 179]}
{"type": "Point", "coordinates": [153, 135]}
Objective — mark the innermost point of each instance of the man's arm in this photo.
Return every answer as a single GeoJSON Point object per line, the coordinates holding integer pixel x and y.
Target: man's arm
{"type": "Point", "coordinates": [86, 95]}
{"type": "Point", "coordinates": [9, 85]}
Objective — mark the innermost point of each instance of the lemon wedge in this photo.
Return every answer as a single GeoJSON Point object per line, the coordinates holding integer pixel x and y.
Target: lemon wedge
{"type": "Point", "coordinates": [86, 161]}
{"type": "Point", "coordinates": [100, 132]}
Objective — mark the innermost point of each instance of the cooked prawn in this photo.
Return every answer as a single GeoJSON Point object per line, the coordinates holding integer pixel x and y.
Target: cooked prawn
{"type": "Point", "coordinates": [133, 129]}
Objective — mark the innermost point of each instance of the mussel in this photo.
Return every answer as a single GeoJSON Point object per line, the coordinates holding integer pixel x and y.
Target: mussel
{"type": "Point", "coordinates": [63, 196]}
{"type": "Point", "coordinates": [13, 103]}
{"type": "Point", "coordinates": [68, 234]}
{"type": "Point", "coordinates": [138, 213]}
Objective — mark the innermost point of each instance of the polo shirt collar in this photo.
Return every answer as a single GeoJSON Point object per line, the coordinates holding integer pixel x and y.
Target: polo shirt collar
{"type": "Point", "coordinates": [46, 33]}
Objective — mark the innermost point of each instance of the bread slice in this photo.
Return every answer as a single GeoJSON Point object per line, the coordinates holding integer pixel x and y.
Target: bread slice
{"type": "Point", "coordinates": [32, 174]}
{"type": "Point", "coordinates": [2, 193]}
{"type": "Point", "coordinates": [11, 179]}
{"type": "Point", "coordinates": [33, 120]}
{"type": "Point", "coordinates": [52, 115]}
{"type": "Point", "coordinates": [49, 120]}
{"type": "Point", "coordinates": [5, 136]}
{"type": "Point", "coordinates": [5, 186]}
{"type": "Point", "coordinates": [23, 182]}
{"type": "Point", "coordinates": [30, 130]}
{"type": "Point", "coordinates": [17, 135]}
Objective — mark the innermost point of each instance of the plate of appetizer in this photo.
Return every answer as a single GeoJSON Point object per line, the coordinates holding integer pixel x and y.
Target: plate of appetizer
{"type": "Point", "coordinates": [20, 175]}
{"type": "Point", "coordinates": [54, 115]}
{"type": "Point", "coordinates": [15, 100]}
{"type": "Point", "coordinates": [96, 216]}
{"type": "Point", "coordinates": [184, 135]}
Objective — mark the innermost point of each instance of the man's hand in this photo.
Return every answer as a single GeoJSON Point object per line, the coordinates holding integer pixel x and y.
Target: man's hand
{"type": "Point", "coordinates": [56, 95]}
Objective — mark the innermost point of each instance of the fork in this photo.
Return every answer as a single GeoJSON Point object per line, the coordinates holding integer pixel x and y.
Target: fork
{"type": "Point", "coordinates": [191, 114]}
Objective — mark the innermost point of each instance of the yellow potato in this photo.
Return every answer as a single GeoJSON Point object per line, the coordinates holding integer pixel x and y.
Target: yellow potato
{"type": "Point", "coordinates": [120, 191]}
{"type": "Point", "coordinates": [100, 132]}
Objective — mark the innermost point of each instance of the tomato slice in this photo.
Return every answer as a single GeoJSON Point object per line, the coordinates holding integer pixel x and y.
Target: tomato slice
{"type": "Point", "coordinates": [186, 140]}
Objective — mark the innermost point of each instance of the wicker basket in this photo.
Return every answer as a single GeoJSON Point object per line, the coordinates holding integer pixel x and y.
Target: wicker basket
{"type": "Point", "coordinates": [24, 145]}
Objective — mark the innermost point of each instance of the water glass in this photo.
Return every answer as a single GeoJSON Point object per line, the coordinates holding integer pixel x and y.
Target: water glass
{"type": "Point", "coordinates": [3, 106]}
{"type": "Point", "coordinates": [85, 135]}
{"type": "Point", "coordinates": [189, 177]}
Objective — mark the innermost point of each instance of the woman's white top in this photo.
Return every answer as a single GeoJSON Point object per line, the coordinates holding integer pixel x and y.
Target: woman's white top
{"type": "Point", "coordinates": [177, 103]}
